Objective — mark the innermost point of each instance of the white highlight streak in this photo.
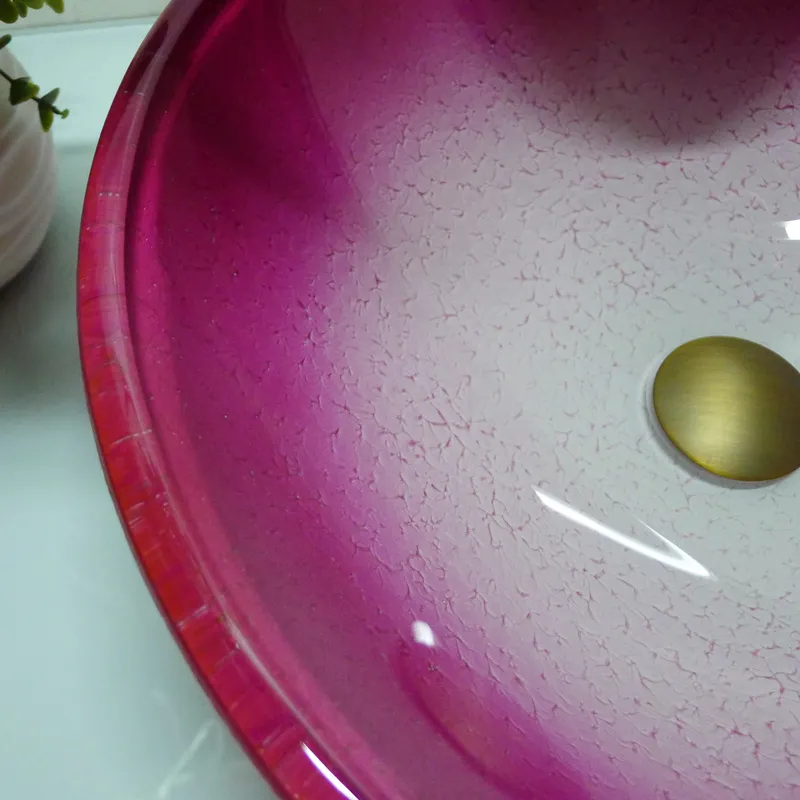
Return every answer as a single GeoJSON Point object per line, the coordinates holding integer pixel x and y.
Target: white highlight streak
{"type": "Point", "coordinates": [792, 228]}
{"type": "Point", "coordinates": [176, 776]}
{"type": "Point", "coordinates": [676, 558]}
{"type": "Point", "coordinates": [327, 774]}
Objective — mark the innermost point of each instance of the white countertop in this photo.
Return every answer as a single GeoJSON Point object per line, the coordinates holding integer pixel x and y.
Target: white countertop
{"type": "Point", "coordinates": [96, 702]}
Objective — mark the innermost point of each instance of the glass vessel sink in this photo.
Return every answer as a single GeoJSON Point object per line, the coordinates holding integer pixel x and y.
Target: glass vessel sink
{"type": "Point", "coordinates": [372, 298]}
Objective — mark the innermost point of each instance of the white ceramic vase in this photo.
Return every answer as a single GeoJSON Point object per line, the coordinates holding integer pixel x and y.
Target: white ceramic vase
{"type": "Point", "coordinates": [27, 178]}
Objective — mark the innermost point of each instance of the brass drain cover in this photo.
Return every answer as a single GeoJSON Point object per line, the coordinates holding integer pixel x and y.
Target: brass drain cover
{"type": "Point", "coordinates": [731, 406]}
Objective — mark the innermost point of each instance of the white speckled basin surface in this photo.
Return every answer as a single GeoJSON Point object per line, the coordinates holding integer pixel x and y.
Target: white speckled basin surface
{"type": "Point", "coordinates": [396, 337]}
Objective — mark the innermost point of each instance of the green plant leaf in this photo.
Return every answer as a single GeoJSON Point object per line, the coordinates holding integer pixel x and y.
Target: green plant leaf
{"type": "Point", "coordinates": [50, 98]}
{"type": "Point", "coordinates": [46, 117]}
{"type": "Point", "coordinates": [5, 39]}
{"type": "Point", "coordinates": [20, 90]}
{"type": "Point", "coordinates": [56, 5]}
{"type": "Point", "coordinates": [22, 9]}
{"type": "Point", "coordinates": [8, 12]}
{"type": "Point", "coordinates": [34, 3]}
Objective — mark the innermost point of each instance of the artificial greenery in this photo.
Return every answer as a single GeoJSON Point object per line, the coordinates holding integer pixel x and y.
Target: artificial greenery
{"type": "Point", "coordinates": [22, 90]}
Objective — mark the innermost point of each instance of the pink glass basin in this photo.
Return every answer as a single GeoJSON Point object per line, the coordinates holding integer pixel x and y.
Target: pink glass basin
{"type": "Point", "coordinates": [371, 299]}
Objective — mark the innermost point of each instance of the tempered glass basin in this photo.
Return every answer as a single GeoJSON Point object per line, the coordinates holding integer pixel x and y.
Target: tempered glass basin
{"type": "Point", "coordinates": [372, 296]}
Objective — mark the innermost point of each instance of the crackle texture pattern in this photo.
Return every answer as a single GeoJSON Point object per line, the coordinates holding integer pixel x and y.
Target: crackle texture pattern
{"type": "Point", "coordinates": [369, 349]}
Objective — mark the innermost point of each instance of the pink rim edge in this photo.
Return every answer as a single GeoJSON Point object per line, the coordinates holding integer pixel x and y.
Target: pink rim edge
{"type": "Point", "coordinates": [260, 718]}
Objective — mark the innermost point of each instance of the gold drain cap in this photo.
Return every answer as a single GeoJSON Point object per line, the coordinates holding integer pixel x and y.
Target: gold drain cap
{"type": "Point", "coordinates": [731, 406]}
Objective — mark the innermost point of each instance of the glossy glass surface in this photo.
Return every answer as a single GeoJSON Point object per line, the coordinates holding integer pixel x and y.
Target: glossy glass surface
{"type": "Point", "coordinates": [371, 300]}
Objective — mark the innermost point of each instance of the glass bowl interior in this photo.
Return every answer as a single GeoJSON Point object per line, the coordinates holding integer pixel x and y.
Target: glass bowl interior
{"type": "Point", "coordinates": [372, 299]}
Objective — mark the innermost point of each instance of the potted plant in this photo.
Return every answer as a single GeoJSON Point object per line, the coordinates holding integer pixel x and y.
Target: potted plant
{"type": "Point", "coordinates": [27, 157]}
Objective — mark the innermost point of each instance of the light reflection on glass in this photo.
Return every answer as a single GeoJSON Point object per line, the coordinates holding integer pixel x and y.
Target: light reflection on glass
{"type": "Point", "coordinates": [327, 774]}
{"type": "Point", "coordinates": [423, 634]}
{"type": "Point", "coordinates": [792, 228]}
{"type": "Point", "coordinates": [673, 556]}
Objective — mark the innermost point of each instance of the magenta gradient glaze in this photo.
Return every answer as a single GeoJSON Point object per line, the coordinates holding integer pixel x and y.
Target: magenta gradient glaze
{"type": "Point", "coordinates": [316, 346]}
